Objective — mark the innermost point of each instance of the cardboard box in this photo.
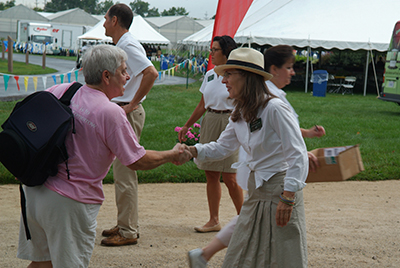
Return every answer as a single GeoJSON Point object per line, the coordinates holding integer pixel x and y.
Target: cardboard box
{"type": "Point", "coordinates": [336, 164]}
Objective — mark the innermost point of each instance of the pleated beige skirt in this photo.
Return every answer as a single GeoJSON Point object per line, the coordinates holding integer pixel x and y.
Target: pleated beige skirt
{"type": "Point", "coordinates": [211, 127]}
{"type": "Point", "coordinates": [257, 241]}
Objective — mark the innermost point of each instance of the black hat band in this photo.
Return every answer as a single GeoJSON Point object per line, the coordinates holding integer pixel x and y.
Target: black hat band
{"type": "Point", "coordinates": [245, 64]}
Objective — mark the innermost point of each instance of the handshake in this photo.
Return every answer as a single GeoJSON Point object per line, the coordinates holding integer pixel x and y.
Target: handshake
{"type": "Point", "coordinates": [183, 153]}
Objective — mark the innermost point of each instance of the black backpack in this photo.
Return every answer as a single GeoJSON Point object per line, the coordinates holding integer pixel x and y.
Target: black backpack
{"type": "Point", "coordinates": [32, 141]}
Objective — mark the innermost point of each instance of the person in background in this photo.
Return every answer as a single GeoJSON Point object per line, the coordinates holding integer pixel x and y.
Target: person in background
{"type": "Point", "coordinates": [217, 106]}
{"type": "Point", "coordinates": [143, 74]}
{"type": "Point", "coordinates": [62, 212]}
{"type": "Point", "coordinates": [277, 169]}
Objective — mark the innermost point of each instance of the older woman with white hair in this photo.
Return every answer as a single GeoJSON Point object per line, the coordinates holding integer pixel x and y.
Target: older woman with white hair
{"type": "Point", "coordinates": [62, 212]}
{"type": "Point", "coordinates": [270, 231]}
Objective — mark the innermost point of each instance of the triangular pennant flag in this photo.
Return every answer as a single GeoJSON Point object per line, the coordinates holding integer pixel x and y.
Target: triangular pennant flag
{"type": "Point", "coordinates": [55, 79]}
{"type": "Point", "coordinates": [44, 79]}
{"type": "Point", "coordinates": [16, 79]}
{"type": "Point", "coordinates": [62, 78]}
{"type": "Point", "coordinates": [26, 79]}
{"type": "Point", "coordinates": [35, 82]}
{"type": "Point", "coordinates": [76, 75]}
{"type": "Point", "coordinates": [6, 78]}
{"type": "Point", "coordinates": [69, 77]}
{"type": "Point", "coordinates": [159, 75]}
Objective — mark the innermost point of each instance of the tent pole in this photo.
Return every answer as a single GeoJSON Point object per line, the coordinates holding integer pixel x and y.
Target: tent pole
{"type": "Point", "coordinates": [373, 66]}
{"type": "Point", "coordinates": [308, 56]}
{"type": "Point", "coordinates": [366, 74]}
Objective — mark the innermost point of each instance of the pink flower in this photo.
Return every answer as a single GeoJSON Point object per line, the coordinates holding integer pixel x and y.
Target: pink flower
{"type": "Point", "coordinates": [177, 129]}
{"type": "Point", "coordinates": [196, 139]}
{"type": "Point", "coordinates": [190, 136]}
{"type": "Point", "coordinates": [196, 125]}
{"type": "Point", "coordinates": [190, 129]}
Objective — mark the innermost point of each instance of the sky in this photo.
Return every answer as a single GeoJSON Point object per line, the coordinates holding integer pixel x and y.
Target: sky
{"type": "Point", "coordinates": [196, 8]}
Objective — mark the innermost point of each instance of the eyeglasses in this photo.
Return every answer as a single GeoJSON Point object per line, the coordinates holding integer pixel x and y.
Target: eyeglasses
{"type": "Point", "coordinates": [227, 74]}
{"type": "Point", "coordinates": [212, 50]}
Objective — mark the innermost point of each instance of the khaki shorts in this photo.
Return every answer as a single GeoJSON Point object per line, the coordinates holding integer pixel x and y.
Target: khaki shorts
{"type": "Point", "coordinates": [63, 230]}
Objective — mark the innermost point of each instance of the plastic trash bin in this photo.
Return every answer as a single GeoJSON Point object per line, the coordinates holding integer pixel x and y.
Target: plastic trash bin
{"type": "Point", "coordinates": [164, 65]}
{"type": "Point", "coordinates": [319, 79]}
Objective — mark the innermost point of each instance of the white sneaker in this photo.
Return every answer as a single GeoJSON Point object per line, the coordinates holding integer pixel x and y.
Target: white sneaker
{"type": "Point", "coordinates": [195, 258]}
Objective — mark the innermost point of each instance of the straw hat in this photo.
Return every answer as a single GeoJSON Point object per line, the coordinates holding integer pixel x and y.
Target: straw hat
{"type": "Point", "coordinates": [247, 59]}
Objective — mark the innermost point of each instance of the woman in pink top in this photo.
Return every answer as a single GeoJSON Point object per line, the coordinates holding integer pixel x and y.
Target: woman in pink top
{"type": "Point", "coordinates": [62, 212]}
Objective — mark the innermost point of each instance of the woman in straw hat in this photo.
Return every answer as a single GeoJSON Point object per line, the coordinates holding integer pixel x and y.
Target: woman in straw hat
{"type": "Point", "coordinates": [270, 230]}
{"type": "Point", "coordinates": [217, 108]}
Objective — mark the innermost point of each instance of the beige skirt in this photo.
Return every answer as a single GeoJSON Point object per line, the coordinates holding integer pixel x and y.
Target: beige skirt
{"type": "Point", "coordinates": [257, 241]}
{"type": "Point", "coordinates": [211, 127]}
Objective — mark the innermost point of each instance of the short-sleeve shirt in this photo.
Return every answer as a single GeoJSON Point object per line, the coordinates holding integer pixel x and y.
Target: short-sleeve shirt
{"type": "Point", "coordinates": [215, 93]}
{"type": "Point", "coordinates": [102, 132]}
{"type": "Point", "coordinates": [137, 62]}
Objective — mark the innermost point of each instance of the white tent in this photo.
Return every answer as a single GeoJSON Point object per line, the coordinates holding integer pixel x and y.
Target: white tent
{"type": "Point", "coordinates": [200, 38]}
{"type": "Point", "coordinates": [341, 24]}
{"type": "Point", "coordinates": [140, 30]}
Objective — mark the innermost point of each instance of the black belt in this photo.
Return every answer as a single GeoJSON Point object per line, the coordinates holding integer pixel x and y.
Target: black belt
{"type": "Point", "coordinates": [219, 111]}
{"type": "Point", "coordinates": [125, 103]}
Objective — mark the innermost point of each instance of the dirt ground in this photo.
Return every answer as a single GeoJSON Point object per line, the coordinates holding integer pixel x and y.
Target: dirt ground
{"type": "Point", "coordinates": [349, 224]}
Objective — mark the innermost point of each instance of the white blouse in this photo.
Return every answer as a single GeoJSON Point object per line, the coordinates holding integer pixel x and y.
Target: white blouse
{"type": "Point", "coordinates": [215, 93]}
{"type": "Point", "coordinates": [280, 94]}
{"type": "Point", "coordinates": [274, 147]}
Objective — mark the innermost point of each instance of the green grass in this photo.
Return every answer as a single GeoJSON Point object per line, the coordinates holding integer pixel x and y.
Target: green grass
{"type": "Point", "coordinates": [348, 120]}
{"type": "Point", "coordinates": [20, 68]}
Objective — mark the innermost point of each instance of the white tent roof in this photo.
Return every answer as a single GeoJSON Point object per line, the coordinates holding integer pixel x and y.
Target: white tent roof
{"type": "Point", "coordinates": [200, 38]}
{"type": "Point", "coordinates": [140, 30]}
{"type": "Point", "coordinates": [341, 24]}
{"type": "Point", "coordinates": [162, 21]}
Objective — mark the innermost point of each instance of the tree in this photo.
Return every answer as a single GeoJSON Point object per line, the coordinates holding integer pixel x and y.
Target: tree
{"type": "Point", "coordinates": [140, 7]}
{"type": "Point", "coordinates": [59, 5]}
{"type": "Point", "coordinates": [103, 7]}
{"type": "Point", "coordinates": [153, 12]}
{"type": "Point", "coordinates": [7, 4]}
{"type": "Point", "coordinates": [173, 11]}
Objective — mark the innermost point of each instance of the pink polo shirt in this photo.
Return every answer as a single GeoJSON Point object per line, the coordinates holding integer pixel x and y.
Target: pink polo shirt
{"type": "Point", "coordinates": [102, 132]}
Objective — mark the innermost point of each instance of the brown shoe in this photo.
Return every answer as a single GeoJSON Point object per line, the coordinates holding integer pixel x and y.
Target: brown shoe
{"type": "Point", "coordinates": [118, 240]}
{"type": "Point", "coordinates": [110, 232]}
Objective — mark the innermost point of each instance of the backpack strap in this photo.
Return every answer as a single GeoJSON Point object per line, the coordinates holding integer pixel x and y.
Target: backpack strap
{"type": "Point", "coordinates": [66, 100]}
{"type": "Point", "coordinates": [23, 210]}
{"type": "Point", "coordinates": [67, 96]}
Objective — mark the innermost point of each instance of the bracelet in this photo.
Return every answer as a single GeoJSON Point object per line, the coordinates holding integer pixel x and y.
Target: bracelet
{"type": "Point", "coordinates": [287, 199]}
{"type": "Point", "coordinates": [287, 203]}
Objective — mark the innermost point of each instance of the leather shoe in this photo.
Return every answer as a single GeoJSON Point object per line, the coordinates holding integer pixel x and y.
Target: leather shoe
{"type": "Point", "coordinates": [203, 229]}
{"type": "Point", "coordinates": [118, 240]}
{"type": "Point", "coordinates": [110, 232]}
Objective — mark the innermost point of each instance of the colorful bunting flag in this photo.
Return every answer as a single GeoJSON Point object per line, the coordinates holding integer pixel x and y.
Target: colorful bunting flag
{"type": "Point", "coordinates": [16, 79]}
{"type": "Point", "coordinates": [6, 78]}
{"type": "Point", "coordinates": [26, 78]}
{"type": "Point", "coordinates": [35, 82]}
